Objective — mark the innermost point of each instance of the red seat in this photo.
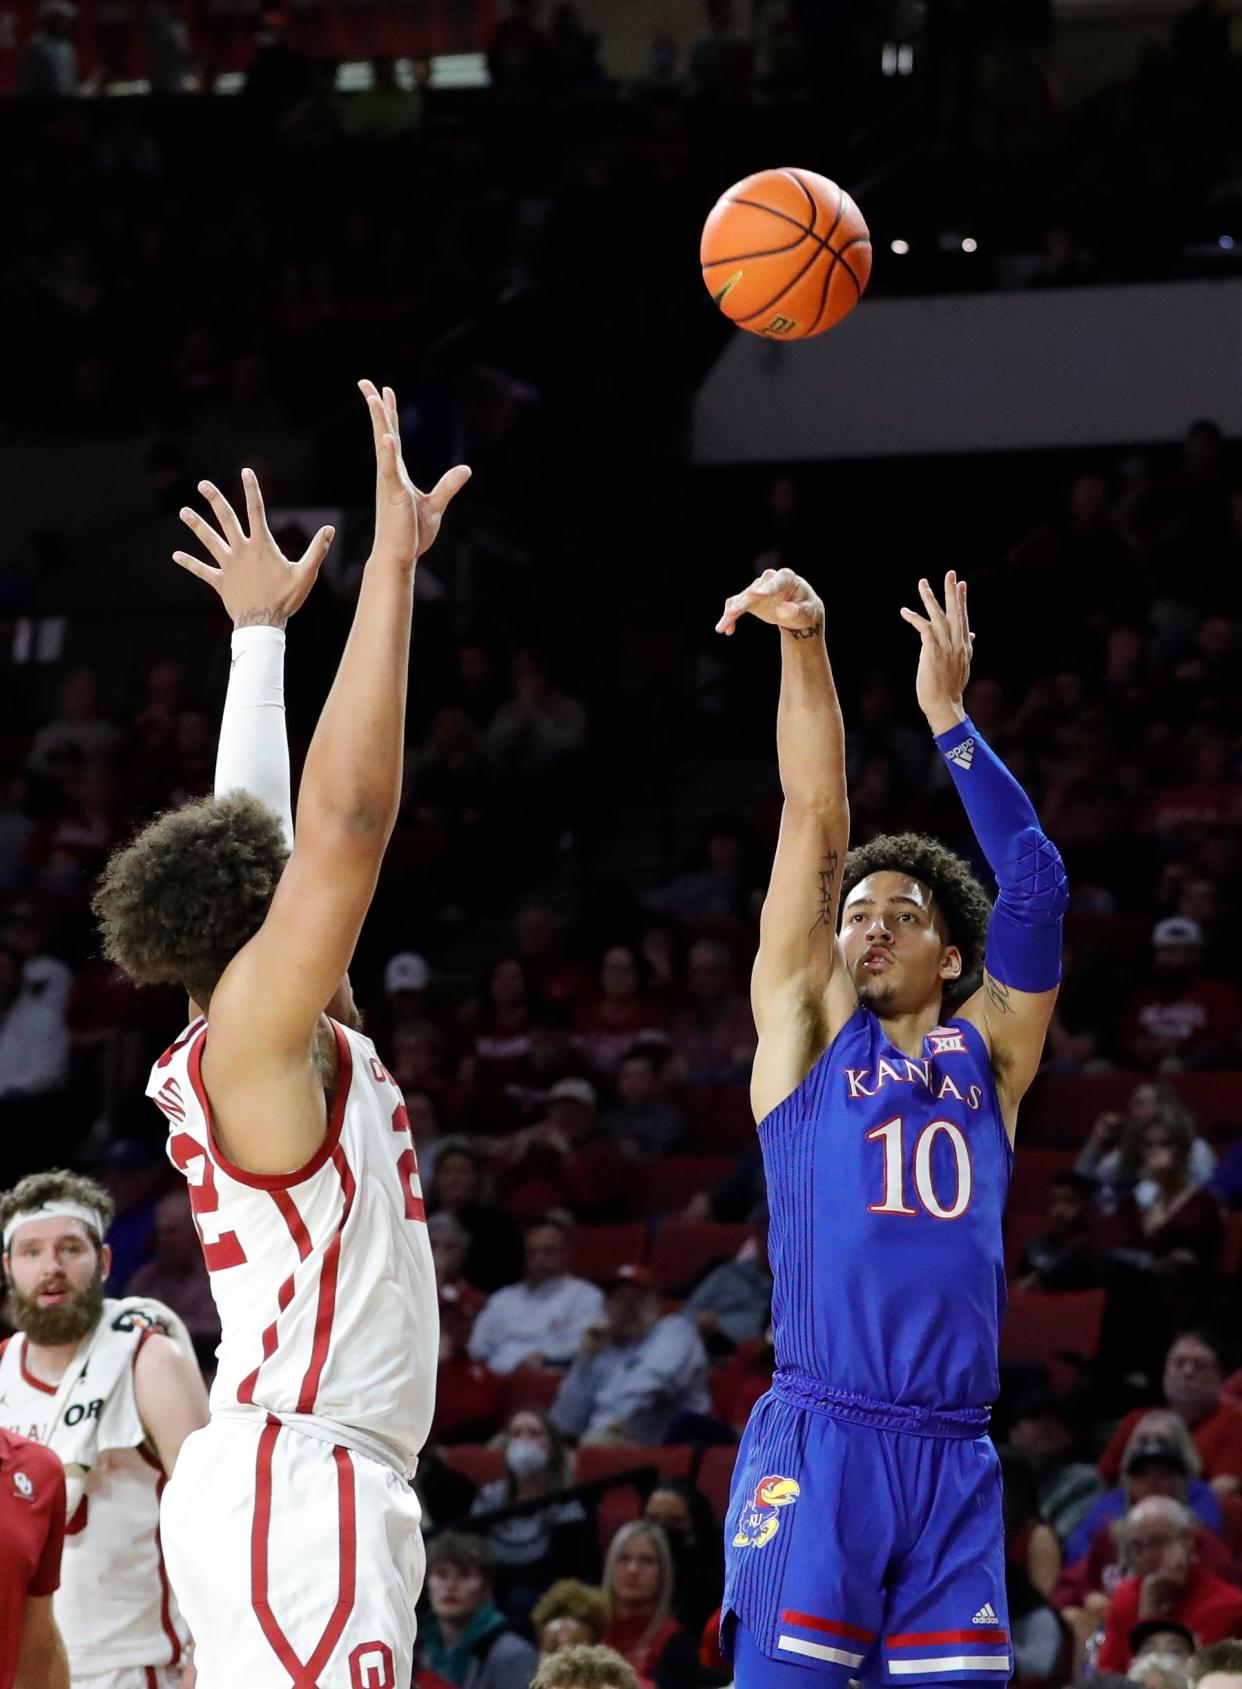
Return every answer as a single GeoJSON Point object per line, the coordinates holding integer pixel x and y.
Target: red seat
{"type": "Point", "coordinates": [622, 1503]}
{"type": "Point", "coordinates": [533, 1387]}
{"type": "Point", "coordinates": [716, 1475]}
{"type": "Point", "coordinates": [597, 1251]}
{"type": "Point", "coordinates": [665, 1186]}
{"type": "Point", "coordinates": [1059, 1330]}
{"type": "Point", "coordinates": [1021, 1230]}
{"type": "Point", "coordinates": [1214, 1099]}
{"type": "Point", "coordinates": [1061, 1108]}
{"type": "Point", "coordinates": [683, 1250]}
{"type": "Point", "coordinates": [718, 1117]}
{"type": "Point", "coordinates": [1231, 1253]}
{"type": "Point", "coordinates": [1033, 1172]}
{"type": "Point", "coordinates": [475, 1461]}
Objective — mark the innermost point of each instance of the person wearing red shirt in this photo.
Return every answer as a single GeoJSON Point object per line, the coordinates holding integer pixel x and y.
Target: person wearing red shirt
{"type": "Point", "coordinates": [32, 1530]}
{"type": "Point", "coordinates": [1180, 1012]}
{"type": "Point", "coordinates": [1166, 1582]}
{"type": "Point", "coordinates": [1193, 1384]}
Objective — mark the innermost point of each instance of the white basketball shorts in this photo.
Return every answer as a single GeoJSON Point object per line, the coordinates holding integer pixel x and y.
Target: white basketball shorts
{"type": "Point", "coordinates": [297, 1564]}
{"type": "Point", "coordinates": [131, 1677]}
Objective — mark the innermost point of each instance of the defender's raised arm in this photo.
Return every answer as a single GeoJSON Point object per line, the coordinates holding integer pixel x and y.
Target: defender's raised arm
{"type": "Point", "coordinates": [797, 937]}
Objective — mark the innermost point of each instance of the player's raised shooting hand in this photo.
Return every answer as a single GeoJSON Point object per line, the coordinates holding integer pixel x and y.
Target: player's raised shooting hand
{"type": "Point", "coordinates": [780, 597]}
{"type": "Point", "coordinates": [258, 584]}
{"type": "Point", "coordinates": [407, 520]}
{"type": "Point", "coordinates": [944, 661]}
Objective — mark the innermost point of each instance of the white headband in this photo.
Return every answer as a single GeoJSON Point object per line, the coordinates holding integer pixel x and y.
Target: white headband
{"type": "Point", "coordinates": [56, 1209]}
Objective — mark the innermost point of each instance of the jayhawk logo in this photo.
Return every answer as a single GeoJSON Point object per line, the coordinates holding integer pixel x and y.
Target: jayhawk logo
{"type": "Point", "coordinates": [760, 1519]}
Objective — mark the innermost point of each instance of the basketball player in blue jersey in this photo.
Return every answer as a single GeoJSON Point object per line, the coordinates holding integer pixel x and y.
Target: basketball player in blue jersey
{"type": "Point", "coordinates": [864, 1534]}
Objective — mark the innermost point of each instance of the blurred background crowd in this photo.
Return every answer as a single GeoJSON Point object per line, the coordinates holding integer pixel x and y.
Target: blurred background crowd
{"type": "Point", "coordinates": [556, 966]}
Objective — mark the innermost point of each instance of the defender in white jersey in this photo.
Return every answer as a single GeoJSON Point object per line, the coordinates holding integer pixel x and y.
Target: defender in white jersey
{"type": "Point", "coordinates": [291, 1529]}
{"type": "Point", "coordinates": [112, 1388]}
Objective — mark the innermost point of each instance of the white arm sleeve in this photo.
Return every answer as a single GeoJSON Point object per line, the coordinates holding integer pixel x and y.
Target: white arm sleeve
{"type": "Point", "coordinates": [253, 753]}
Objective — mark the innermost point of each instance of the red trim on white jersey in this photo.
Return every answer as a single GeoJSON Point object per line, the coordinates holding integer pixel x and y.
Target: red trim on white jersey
{"type": "Point", "coordinates": [336, 1116]}
{"type": "Point", "coordinates": [327, 1289]}
{"type": "Point", "coordinates": [303, 1676]}
{"type": "Point", "coordinates": [28, 1377]}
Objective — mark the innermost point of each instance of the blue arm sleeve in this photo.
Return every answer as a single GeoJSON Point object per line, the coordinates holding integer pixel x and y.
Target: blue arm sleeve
{"type": "Point", "coordinates": [1024, 934]}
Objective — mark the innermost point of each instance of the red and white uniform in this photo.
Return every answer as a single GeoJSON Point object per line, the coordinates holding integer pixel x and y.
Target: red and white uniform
{"type": "Point", "coordinates": [290, 1527]}
{"type": "Point", "coordinates": [114, 1607]}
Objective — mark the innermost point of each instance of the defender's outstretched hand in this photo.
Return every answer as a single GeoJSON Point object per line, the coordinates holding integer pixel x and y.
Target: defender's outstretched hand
{"type": "Point", "coordinates": [944, 661]}
{"type": "Point", "coordinates": [780, 597]}
{"type": "Point", "coordinates": [255, 579]}
{"type": "Point", "coordinates": [406, 519]}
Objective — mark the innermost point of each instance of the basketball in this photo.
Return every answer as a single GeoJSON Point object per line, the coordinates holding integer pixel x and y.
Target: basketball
{"type": "Point", "coordinates": [785, 253]}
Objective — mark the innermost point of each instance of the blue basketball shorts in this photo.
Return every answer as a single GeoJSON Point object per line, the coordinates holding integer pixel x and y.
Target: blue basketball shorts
{"type": "Point", "coordinates": [867, 1541]}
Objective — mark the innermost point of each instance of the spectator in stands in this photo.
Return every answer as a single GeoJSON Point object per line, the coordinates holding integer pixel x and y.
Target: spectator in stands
{"type": "Point", "coordinates": [1045, 1428]}
{"type": "Point", "coordinates": [563, 1162]}
{"type": "Point", "coordinates": [696, 1544]}
{"type": "Point", "coordinates": [642, 1120]}
{"type": "Point", "coordinates": [637, 1369]}
{"type": "Point", "coordinates": [177, 1275]}
{"type": "Point", "coordinates": [466, 1640]}
{"type": "Point", "coordinates": [450, 1245]}
{"type": "Point", "coordinates": [714, 1039]}
{"type": "Point", "coordinates": [79, 725]}
{"type": "Point", "coordinates": [540, 949]}
{"type": "Point", "coordinates": [539, 1321]}
{"type": "Point", "coordinates": [600, 1668]}
{"type": "Point", "coordinates": [742, 1380]}
{"type": "Point", "coordinates": [469, 1396]}
{"type": "Point", "coordinates": [133, 1176]}
{"type": "Point", "coordinates": [1161, 1636]}
{"type": "Point", "coordinates": [733, 1303]}
{"type": "Point", "coordinates": [495, 1254]}
{"type": "Point", "coordinates": [638, 1580]}
{"type": "Point", "coordinates": [48, 67]}
{"type": "Point", "coordinates": [406, 980]}
{"type": "Point", "coordinates": [1041, 1642]}
{"type": "Point", "coordinates": [1069, 1255]}
{"type": "Point", "coordinates": [1157, 1671]}
{"type": "Point", "coordinates": [717, 887]}
{"type": "Point", "coordinates": [1193, 1378]}
{"type": "Point", "coordinates": [1160, 1458]}
{"type": "Point", "coordinates": [1218, 1666]}
{"type": "Point", "coordinates": [1113, 1153]}
{"type": "Point", "coordinates": [43, 975]}
{"type": "Point", "coordinates": [422, 1110]}
{"type": "Point", "coordinates": [1181, 1015]}
{"type": "Point", "coordinates": [16, 825]}
{"type": "Point", "coordinates": [70, 845]}
{"type": "Point", "coordinates": [570, 1615]}
{"type": "Point", "coordinates": [1166, 1581]}
{"type": "Point", "coordinates": [168, 47]}
{"type": "Point", "coordinates": [740, 1195]}
{"type": "Point", "coordinates": [518, 57]}
{"type": "Point", "coordinates": [620, 1016]}
{"type": "Point", "coordinates": [551, 1542]}
{"type": "Point", "coordinates": [1182, 1226]}
{"type": "Point", "coordinates": [536, 738]}
{"type": "Point", "coordinates": [501, 1043]}
{"type": "Point", "coordinates": [34, 1045]}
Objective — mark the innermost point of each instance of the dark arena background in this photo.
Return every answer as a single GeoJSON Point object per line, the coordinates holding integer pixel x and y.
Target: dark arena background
{"type": "Point", "coordinates": [215, 219]}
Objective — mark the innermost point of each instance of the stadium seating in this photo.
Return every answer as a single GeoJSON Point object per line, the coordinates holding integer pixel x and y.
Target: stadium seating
{"type": "Point", "coordinates": [683, 1251]}
{"type": "Point", "coordinates": [718, 1117]}
{"type": "Point", "coordinates": [666, 1185]}
{"type": "Point", "coordinates": [533, 1387]}
{"type": "Point", "coordinates": [597, 1251]}
{"type": "Point", "coordinates": [482, 1465]}
{"type": "Point", "coordinates": [1061, 1331]}
{"type": "Point", "coordinates": [1020, 1230]}
{"type": "Point", "coordinates": [715, 1476]}
{"type": "Point", "coordinates": [618, 1506]}
{"type": "Point", "coordinates": [1033, 1172]}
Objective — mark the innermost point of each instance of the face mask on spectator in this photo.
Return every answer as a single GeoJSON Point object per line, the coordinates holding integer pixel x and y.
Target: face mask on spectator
{"type": "Point", "coordinates": [526, 1457]}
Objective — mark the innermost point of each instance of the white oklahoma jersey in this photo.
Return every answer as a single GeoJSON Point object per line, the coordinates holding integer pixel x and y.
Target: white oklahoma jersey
{"type": "Point", "coordinates": [289, 1524]}
{"type": "Point", "coordinates": [114, 1607]}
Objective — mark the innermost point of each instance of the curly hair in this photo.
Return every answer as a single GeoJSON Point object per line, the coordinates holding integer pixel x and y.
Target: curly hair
{"type": "Point", "coordinates": [570, 1599]}
{"type": "Point", "coordinates": [57, 1185]}
{"type": "Point", "coordinates": [585, 1668]}
{"type": "Point", "coordinates": [961, 902]}
{"type": "Point", "coordinates": [178, 902]}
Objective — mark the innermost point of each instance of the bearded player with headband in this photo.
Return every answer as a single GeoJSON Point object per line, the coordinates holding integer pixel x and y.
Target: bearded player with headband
{"type": "Point", "coordinates": [865, 1532]}
{"type": "Point", "coordinates": [291, 1530]}
{"type": "Point", "coordinates": [110, 1385]}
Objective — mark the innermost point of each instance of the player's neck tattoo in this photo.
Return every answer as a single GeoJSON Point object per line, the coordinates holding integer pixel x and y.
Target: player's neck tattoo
{"type": "Point", "coordinates": [266, 618]}
{"type": "Point", "coordinates": [813, 632]}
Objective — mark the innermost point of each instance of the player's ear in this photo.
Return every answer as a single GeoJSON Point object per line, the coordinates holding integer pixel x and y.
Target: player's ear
{"type": "Point", "coordinates": [951, 962]}
{"type": "Point", "coordinates": [105, 1261]}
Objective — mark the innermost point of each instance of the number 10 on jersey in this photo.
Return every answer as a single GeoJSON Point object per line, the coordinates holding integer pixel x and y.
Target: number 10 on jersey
{"type": "Point", "coordinates": [891, 1138]}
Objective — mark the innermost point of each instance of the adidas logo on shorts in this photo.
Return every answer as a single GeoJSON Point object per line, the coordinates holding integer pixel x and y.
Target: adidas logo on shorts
{"type": "Point", "coordinates": [964, 754]}
{"type": "Point", "coordinates": [986, 1615]}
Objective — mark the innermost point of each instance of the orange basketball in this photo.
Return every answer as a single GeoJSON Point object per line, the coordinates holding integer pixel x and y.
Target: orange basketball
{"type": "Point", "coordinates": [785, 253]}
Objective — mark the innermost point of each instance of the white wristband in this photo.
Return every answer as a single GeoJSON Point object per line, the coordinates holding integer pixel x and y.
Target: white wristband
{"type": "Point", "coordinates": [253, 753]}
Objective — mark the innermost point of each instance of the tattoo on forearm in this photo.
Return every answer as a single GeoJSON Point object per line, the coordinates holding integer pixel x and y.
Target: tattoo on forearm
{"type": "Point", "coordinates": [815, 629]}
{"type": "Point", "coordinates": [261, 618]}
{"type": "Point", "coordinates": [827, 890]}
{"type": "Point", "coordinates": [999, 995]}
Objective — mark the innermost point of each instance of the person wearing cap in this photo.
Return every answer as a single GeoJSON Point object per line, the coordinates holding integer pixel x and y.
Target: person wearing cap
{"type": "Point", "coordinates": [563, 1162]}
{"type": "Point", "coordinates": [1161, 1636]}
{"type": "Point", "coordinates": [1160, 1458]}
{"type": "Point", "coordinates": [1193, 1380]}
{"type": "Point", "coordinates": [469, 1395]}
{"type": "Point", "coordinates": [1045, 1428]}
{"type": "Point", "coordinates": [539, 1321]}
{"type": "Point", "coordinates": [1181, 1016]}
{"type": "Point", "coordinates": [1166, 1581]}
{"type": "Point", "coordinates": [406, 979]}
{"type": "Point", "coordinates": [637, 1370]}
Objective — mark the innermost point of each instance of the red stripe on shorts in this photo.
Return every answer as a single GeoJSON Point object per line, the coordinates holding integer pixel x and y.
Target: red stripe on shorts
{"type": "Point", "coordinates": [830, 1627]}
